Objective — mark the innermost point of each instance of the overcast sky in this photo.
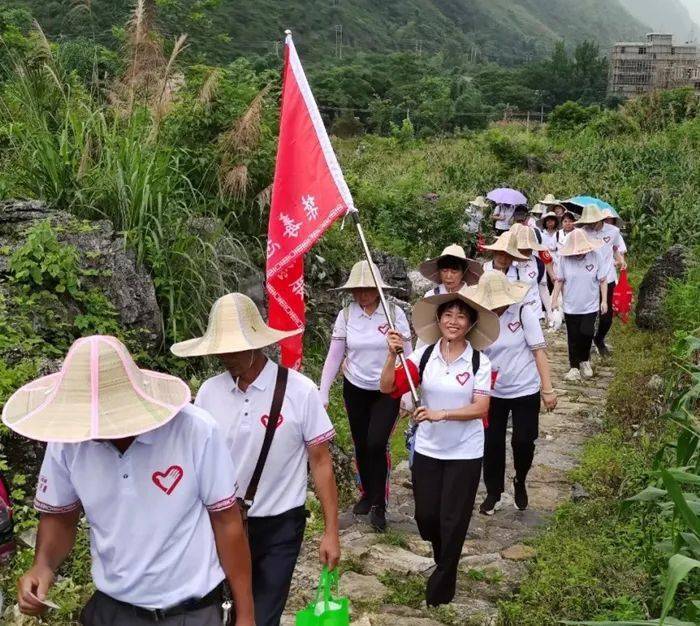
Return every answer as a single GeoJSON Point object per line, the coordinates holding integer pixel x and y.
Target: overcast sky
{"type": "Point", "coordinates": [694, 9]}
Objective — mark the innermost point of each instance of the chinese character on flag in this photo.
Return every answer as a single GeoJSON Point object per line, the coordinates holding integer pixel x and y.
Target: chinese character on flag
{"type": "Point", "coordinates": [308, 194]}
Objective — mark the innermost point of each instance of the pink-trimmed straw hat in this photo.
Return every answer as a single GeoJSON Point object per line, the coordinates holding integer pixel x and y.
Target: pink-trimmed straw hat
{"type": "Point", "coordinates": [99, 393]}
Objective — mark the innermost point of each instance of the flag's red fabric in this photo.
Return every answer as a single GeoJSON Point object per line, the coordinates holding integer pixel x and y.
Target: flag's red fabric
{"type": "Point", "coordinates": [308, 194]}
{"type": "Point", "coordinates": [623, 297]}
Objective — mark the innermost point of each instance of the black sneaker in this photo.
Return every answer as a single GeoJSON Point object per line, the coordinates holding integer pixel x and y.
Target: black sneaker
{"type": "Point", "coordinates": [490, 505]}
{"type": "Point", "coordinates": [377, 518]}
{"type": "Point", "coordinates": [362, 507]}
{"type": "Point", "coordinates": [603, 349]}
{"type": "Point", "coordinates": [520, 494]}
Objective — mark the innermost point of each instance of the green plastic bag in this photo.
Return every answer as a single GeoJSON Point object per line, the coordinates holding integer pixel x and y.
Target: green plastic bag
{"type": "Point", "coordinates": [326, 609]}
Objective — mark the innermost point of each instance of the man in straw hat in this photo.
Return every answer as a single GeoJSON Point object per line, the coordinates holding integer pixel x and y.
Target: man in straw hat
{"type": "Point", "coordinates": [593, 221]}
{"type": "Point", "coordinates": [519, 362]}
{"type": "Point", "coordinates": [451, 270]}
{"type": "Point", "coordinates": [274, 424]}
{"type": "Point", "coordinates": [582, 278]}
{"type": "Point", "coordinates": [455, 383]}
{"type": "Point", "coordinates": [358, 342]}
{"type": "Point", "coordinates": [155, 481]}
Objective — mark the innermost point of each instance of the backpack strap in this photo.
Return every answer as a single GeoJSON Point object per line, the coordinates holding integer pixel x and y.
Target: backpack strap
{"type": "Point", "coordinates": [436, 291]}
{"type": "Point", "coordinates": [476, 361]}
{"type": "Point", "coordinates": [520, 316]}
{"type": "Point", "coordinates": [540, 269]}
{"type": "Point", "coordinates": [273, 418]}
{"type": "Point", "coordinates": [425, 357]}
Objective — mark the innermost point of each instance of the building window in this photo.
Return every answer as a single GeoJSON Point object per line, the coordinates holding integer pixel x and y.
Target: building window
{"type": "Point", "coordinates": [642, 51]}
{"type": "Point", "coordinates": [622, 49]}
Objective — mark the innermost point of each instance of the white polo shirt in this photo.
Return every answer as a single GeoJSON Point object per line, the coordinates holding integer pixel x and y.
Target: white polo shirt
{"type": "Point", "coordinates": [151, 539]}
{"type": "Point", "coordinates": [365, 343]}
{"type": "Point", "coordinates": [451, 387]}
{"type": "Point", "coordinates": [550, 240]}
{"type": "Point", "coordinates": [242, 418]}
{"type": "Point", "coordinates": [526, 272]}
{"type": "Point", "coordinates": [511, 354]}
{"type": "Point", "coordinates": [612, 242]}
{"type": "Point", "coordinates": [581, 277]}
{"type": "Point", "coordinates": [505, 216]}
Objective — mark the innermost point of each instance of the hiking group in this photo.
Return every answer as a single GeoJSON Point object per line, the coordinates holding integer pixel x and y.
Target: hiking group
{"type": "Point", "coordinates": [196, 509]}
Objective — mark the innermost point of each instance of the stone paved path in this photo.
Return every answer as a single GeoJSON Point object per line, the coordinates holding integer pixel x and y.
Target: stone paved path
{"type": "Point", "coordinates": [494, 558]}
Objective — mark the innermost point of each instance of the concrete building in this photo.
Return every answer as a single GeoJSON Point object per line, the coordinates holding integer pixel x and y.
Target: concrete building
{"type": "Point", "coordinates": [640, 67]}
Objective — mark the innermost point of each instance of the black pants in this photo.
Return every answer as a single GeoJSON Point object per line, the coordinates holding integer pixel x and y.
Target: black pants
{"type": "Point", "coordinates": [605, 321]}
{"type": "Point", "coordinates": [526, 417]}
{"type": "Point", "coordinates": [274, 548]}
{"type": "Point", "coordinates": [372, 416]}
{"type": "Point", "coordinates": [579, 335]}
{"type": "Point", "coordinates": [444, 492]}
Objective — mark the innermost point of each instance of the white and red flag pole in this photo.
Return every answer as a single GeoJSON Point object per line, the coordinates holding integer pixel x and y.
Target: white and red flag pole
{"type": "Point", "coordinates": [309, 193]}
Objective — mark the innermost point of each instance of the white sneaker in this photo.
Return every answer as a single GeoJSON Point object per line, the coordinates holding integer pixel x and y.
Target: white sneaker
{"type": "Point", "coordinates": [573, 374]}
{"type": "Point", "coordinates": [586, 369]}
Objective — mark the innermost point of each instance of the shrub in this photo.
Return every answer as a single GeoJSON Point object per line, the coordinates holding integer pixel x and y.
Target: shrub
{"type": "Point", "coordinates": [571, 116]}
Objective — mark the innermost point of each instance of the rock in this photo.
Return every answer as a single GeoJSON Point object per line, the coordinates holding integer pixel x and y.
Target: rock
{"type": "Point", "coordinates": [394, 272]}
{"type": "Point", "coordinates": [519, 552]}
{"type": "Point", "coordinates": [652, 292]}
{"type": "Point", "coordinates": [578, 493]}
{"type": "Point", "coordinates": [343, 469]}
{"type": "Point", "coordinates": [361, 588]}
{"type": "Point", "coordinates": [124, 283]}
{"type": "Point", "coordinates": [384, 558]}
{"type": "Point", "coordinates": [655, 383]}
{"type": "Point", "coordinates": [419, 284]}
{"type": "Point", "coordinates": [390, 620]}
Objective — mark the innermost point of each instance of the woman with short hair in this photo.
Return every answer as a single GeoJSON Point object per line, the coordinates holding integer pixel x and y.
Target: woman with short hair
{"type": "Point", "coordinates": [450, 271]}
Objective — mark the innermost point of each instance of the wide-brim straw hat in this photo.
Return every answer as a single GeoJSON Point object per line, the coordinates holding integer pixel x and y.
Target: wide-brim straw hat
{"type": "Point", "coordinates": [99, 393]}
{"type": "Point", "coordinates": [429, 269]}
{"type": "Point", "coordinates": [361, 278]}
{"type": "Point", "coordinates": [481, 335]}
{"type": "Point", "coordinates": [577, 242]}
{"type": "Point", "coordinates": [526, 238]}
{"type": "Point", "coordinates": [538, 209]}
{"type": "Point", "coordinates": [608, 213]}
{"type": "Point", "coordinates": [549, 199]}
{"type": "Point", "coordinates": [546, 216]}
{"type": "Point", "coordinates": [494, 290]}
{"type": "Point", "coordinates": [235, 325]}
{"type": "Point", "coordinates": [480, 202]}
{"type": "Point", "coordinates": [591, 215]}
{"type": "Point", "coordinates": [506, 242]}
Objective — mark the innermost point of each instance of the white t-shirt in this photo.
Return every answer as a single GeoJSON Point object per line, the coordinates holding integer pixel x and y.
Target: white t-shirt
{"type": "Point", "coordinates": [505, 216]}
{"type": "Point", "coordinates": [511, 354]}
{"type": "Point", "coordinates": [526, 272]}
{"type": "Point", "coordinates": [365, 343]}
{"type": "Point", "coordinates": [612, 242]}
{"type": "Point", "coordinates": [242, 418]}
{"type": "Point", "coordinates": [451, 387]}
{"type": "Point", "coordinates": [581, 277]}
{"type": "Point", "coordinates": [550, 240]}
{"type": "Point", "coordinates": [151, 539]}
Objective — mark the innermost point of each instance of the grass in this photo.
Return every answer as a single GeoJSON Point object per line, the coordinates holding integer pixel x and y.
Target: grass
{"type": "Point", "coordinates": [404, 589]}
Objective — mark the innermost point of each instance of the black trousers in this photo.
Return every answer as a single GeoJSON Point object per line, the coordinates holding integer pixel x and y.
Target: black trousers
{"type": "Point", "coordinates": [444, 493]}
{"type": "Point", "coordinates": [579, 335]}
{"type": "Point", "coordinates": [372, 416]}
{"type": "Point", "coordinates": [274, 548]}
{"type": "Point", "coordinates": [526, 416]}
{"type": "Point", "coordinates": [605, 321]}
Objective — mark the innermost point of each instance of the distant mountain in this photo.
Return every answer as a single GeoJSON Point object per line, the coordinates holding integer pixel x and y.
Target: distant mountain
{"type": "Point", "coordinates": [693, 7]}
{"type": "Point", "coordinates": [506, 31]}
{"type": "Point", "coordinates": [665, 16]}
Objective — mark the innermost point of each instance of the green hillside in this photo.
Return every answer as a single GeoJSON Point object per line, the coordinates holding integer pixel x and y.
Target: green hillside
{"type": "Point", "coordinates": [498, 30]}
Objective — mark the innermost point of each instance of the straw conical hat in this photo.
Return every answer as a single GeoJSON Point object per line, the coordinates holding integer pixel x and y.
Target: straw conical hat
{"type": "Point", "coordinates": [527, 240]}
{"type": "Point", "coordinates": [550, 199]}
{"type": "Point", "coordinates": [495, 290]}
{"type": "Point", "coordinates": [361, 278]}
{"type": "Point", "coordinates": [429, 269]}
{"type": "Point", "coordinates": [506, 242]}
{"type": "Point", "coordinates": [100, 393]}
{"type": "Point", "coordinates": [481, 335]}
{"type": "Point", "coordinates": [546, 216]}
{"type": "Point", "coordinates": [538, 209]}
{"type": "Point", "coordinates": [235, 325]}
{"type": "Point", "coordinates": [577, 242]}
{"type": "Point", "coordinates": [590, 215]}
{"type": "Point", "coordinates": [480, 202]}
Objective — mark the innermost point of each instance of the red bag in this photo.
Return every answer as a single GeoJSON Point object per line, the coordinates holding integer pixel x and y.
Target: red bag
{"type": "Point", "coordinates": [7, 543]}
{"type": "Point", "coordinates": [622, 297]}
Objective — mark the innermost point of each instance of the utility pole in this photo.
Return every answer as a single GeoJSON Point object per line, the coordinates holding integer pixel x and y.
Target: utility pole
{"type": "Point", "coordinates": [339, 41]}
{"type": "Point", "coordinates": [419, 47]}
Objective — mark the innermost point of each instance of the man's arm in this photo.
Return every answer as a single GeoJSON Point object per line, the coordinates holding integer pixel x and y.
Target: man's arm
{"type": "Point", "coordinates": [55, 540]}
{"type": "Point", "coordinates": [234, 556]}
{"type": "Point", "coordinates": [327, 492]}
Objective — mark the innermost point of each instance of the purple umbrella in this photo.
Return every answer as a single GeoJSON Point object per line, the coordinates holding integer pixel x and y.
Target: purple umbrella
{"type": "Point", "coordinates": [505, 195]}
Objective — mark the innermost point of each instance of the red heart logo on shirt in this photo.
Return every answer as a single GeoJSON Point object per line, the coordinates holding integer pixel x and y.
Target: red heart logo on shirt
{"type": "Point", "coordinates": [463, 378]}
{"type": "Point", "coordinates": [266, 418]}
{"type": "Point", "coordinates": [384, 328]}
{"type": "Point", "coordinates": [513, 326]}
{"type": "Point", "coordinates": [169, 479]}
{"type": "Point", "coordinates": [606, 239]}
{"type": "Point", "coordinates": [590, 268]}
{"type": "Point", "coordinates": [532, 274]}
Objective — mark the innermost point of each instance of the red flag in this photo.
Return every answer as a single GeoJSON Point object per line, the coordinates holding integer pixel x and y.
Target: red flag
{"type": "Point", "coordinates": [308, 194]}
{"type": "Point", "coordinates": [622, 297]}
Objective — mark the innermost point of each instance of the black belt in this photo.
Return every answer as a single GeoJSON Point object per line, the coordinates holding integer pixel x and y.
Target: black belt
{"type": "Point", "coordinates": [215, 596]}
